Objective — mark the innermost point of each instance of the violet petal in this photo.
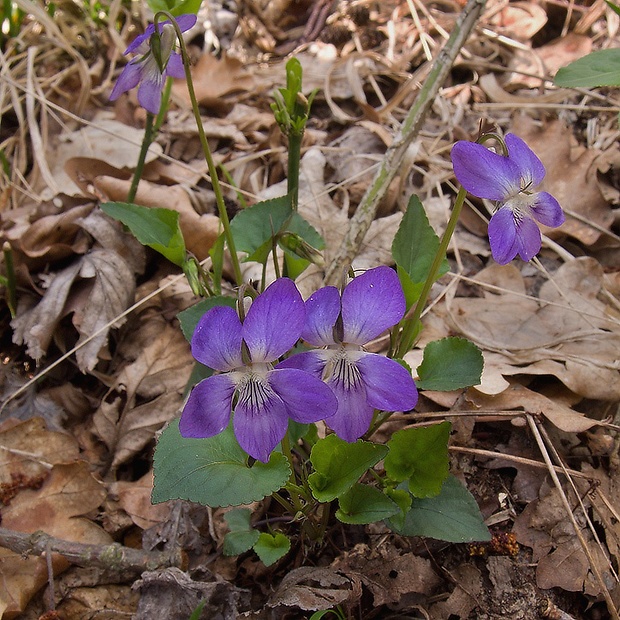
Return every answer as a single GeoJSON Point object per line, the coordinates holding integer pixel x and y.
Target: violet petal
{"type": "Point", "coordinates": [483, 173]}
{"type": "Point", "coordinates": [216, 341]}
{"type": "Point", "coordinates": [503, 236]}
{"type": "Point", "coordinates": [307, 398]}
{"type": "Point", "coordinates": [140, 43]}
{"type": "Point", "coordinates": [354, 414]}
{"type": "Point", "coordinates": [207, 410]}
{"type": "Point", "coordinates": [322, 310]}
{"type": "Point", "coordinates": [149, 92]}
{"type": "Point", "coordinates": [528, 238]}
{"type": "Point", "coordinates": [175, 67]}
{"type": "Point", "coordinates": [260, 427]}
{"type": "Point", "coordinates": [371, 303]}
{"type": "Point", "coordinates": [547, 210]}
{"type": "Point", "coordinates": [274, 321]}
{"type": "Point", "coordinates": [531, 168]}
{"type": "Point", "coordinates": [312, 362]}
{"type": "Point", "coordinates": [129, 78]}
{"type": "Point", "coordinates": [389, 386]}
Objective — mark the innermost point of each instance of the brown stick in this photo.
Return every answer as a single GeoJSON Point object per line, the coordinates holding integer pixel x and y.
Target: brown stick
{"type": "Point", "coordinates": [113, 557]}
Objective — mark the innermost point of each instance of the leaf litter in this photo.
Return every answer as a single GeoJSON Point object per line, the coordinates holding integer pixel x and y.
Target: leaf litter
{"type": "Point", "coordinates": [548, 331]}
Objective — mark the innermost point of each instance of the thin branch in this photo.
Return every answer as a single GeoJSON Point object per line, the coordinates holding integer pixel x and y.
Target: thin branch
{"type": "Point", "coordinates": [367, 209]}
{"type": "Point", "coordinates": [114, 557]}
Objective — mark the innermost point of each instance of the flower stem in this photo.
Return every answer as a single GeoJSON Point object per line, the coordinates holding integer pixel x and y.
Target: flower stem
{"type": "Point", "coordinates": [217, 190]}
{"type": "Point", "coordinates": [292, 486]}
{"type": "Point", "coordinates": [149, 136]}
{"type": "Point", "coordinates": [294, 158]}
{"type": "Point", "coordinates": [411, 322]}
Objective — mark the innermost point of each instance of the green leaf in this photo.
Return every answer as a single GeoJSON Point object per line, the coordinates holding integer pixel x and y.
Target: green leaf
{"type": "Point", "coordinates": [338, 465]}
{"type": "Point", "coordinates": [453, 515]}
{"type": "Point", "coordinates": [414, 247]}
{"type": "Point", "coordinates": [401, 497]}
{"type": "Point", "coordinates": [420, 455]}
{"type": "Point", "coordinates": [600, 68]}
{"type": "Point", "coordinates": [450, 364]}
{"type": "Point", "coordinates": [614, 7]}
{"type": "Point", "coordinates": [213, 471]}
{"type": "Point", "coordinates": [189, 318]}
{"type": "Point", "coordinates": [174, 7]}
{"type": "Point", "coordinates": [242, 535]}
{"type": "Point", "coordinates": [363, 504]}
{"type": "Point", "coordinates": [156, 228]}
{"type": "Point", "coordinates": [253, 228]}
{"type": "Point", "coordinates": [270, 548]}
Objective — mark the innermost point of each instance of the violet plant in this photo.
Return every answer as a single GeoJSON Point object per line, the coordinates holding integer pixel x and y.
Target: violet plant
{"type": "Point", "coordinates": [287, 399]}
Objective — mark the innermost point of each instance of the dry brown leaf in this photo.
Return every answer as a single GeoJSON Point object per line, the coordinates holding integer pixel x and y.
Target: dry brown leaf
{"type": "Point", "coordinates": [546, 60]}
{"type": "Point", "coordinates": [389, 574]}
{"type": "Point", "coordinates": [56, 508]}
{"type": "Point", "coordinates": [520, 398]}
{"type": "Point", "coordinates": [571, 178]}
{"type": "Point", "coordinates": [463, 598]}
{"type": "Point", "coordinates": [29, 448]}
{"type": "Point", "coordinates": [575, 337]}
{"type": "Point", "coordinates": [105, 602]}
{"type": "Point", "coordinates": [56, 236]}
{"type": "Point", "coordinates": [109, 290]}
{"type": "Point", "coordinates": [135, 499]}
{"type": "Point", "coordinates": [158, 367]}
{"type": "Point", "coordinates": [213, 78]}
{"type": "Point", "coordinates": [171, 593]}
{"type": "Point", "coordinates": [312, 588]}
{"type": "Point", "coordinates": [109, 141]}
{"type": "Point", "coordinates": [519, 20]}
{"type": "Point", "coordinates": [199, 231]}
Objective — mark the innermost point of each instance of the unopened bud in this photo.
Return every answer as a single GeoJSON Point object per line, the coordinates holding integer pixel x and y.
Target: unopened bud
{"type": "Point", "coordinates": [294, 243]}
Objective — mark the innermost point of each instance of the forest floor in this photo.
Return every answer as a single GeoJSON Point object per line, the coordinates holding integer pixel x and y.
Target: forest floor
{"type": "Point", "coordinates": [94, 363]}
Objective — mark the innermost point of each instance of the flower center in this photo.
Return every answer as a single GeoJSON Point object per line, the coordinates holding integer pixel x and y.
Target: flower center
{"type": "Point", "coordinates": [253, 389]}
{"type": "Point", "coordinates": [342, 369]}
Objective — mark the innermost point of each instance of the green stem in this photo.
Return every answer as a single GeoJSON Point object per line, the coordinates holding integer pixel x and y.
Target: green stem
{"type": "Point", "coordinates": [294, 158]}
{"type": "Point", "coordinates": [163, 108]}
{"type": "Point", "coordinates": [292, 486]}
{"type": "Point", "coordinates": [217, 190]}
{"type": "Point", "coordinates": [149, 135]}
{"type": "Point", "coordinates": [411, 321]}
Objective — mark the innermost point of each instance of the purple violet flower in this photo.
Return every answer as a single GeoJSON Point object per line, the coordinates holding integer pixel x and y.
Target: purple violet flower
{"type": "Point", "coordinates": [361, 381]}
{"type": "Point", "coordinates": [263, 398]}
{"type": "Point", "coordinates": [510, 181]}
{"type": "Point", "coordinates": [148, 70]}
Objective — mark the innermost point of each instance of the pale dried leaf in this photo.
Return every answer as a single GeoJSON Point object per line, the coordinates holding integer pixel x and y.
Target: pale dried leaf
{"type": "Point", "coordinates": [575, 338]}
{"type": "Point", "coordinates": [158, 367]}
{"type": "Point", "coordinates": [312, 588]}
{"type": "Point", "coordinates": [56, 508]}
{"type": "Point", "coordinates": [213, 78]}
{"type": "Point", "coordinates": [110, 141]}
{"type": "Point", "coordinates": [35, 327]}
